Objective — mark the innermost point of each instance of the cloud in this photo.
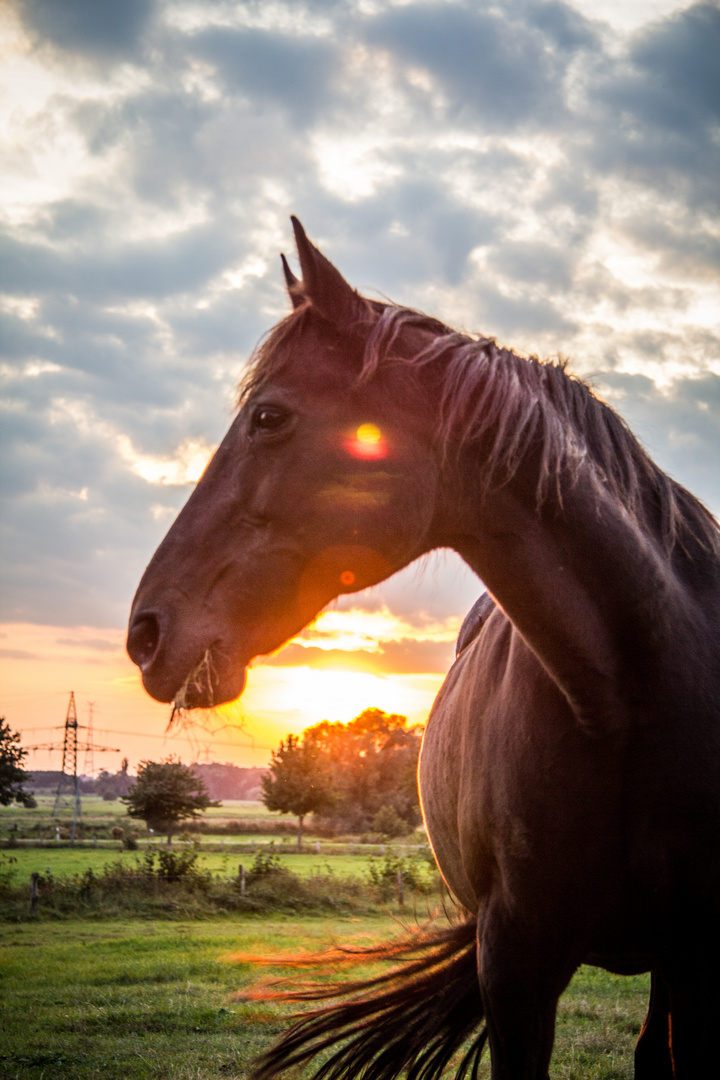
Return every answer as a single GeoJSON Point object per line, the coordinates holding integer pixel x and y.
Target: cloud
{"type": "Point", "coordinates": [515, 169]}
{"type": "Point", "coordinates": [660, 107]}
{"type": "Point", "coordinates": [404, 657]}
{"type": "Point", "coordinates": [103, 31]}
{"type": "Point", "coordinates": [96, 644]}
{"type": "Point", "coordinates": [505, 70]}
{"type": "Point", "coordinates": [287, 70]}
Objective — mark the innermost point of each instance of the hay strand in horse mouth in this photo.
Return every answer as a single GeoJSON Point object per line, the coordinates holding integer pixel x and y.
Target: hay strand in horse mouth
{"type": "Point", "coordinates": [411, 1020]}
{"type": "Point", "coordinates": [200, 679]}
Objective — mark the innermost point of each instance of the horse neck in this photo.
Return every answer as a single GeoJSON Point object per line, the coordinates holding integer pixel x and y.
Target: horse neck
{"type": "Point", "coordinates": [581, 577]}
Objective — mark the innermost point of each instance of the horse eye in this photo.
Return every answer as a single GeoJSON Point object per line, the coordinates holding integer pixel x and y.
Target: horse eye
{"type": "Point", "coordinates": [269, 418]}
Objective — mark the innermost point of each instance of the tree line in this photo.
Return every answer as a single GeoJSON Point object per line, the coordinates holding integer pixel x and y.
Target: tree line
{"type": "Point", "coordinates": [355, 778]}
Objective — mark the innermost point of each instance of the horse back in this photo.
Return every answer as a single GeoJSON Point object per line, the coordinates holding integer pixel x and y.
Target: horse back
{"type": "Point", "coordinates": [517, 797]}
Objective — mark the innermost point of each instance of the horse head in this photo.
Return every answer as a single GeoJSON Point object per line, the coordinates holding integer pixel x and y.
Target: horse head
{"type": "Point", "coordinates": [325, 483]}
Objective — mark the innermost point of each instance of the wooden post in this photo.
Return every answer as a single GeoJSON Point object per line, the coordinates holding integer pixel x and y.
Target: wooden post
{"type": "Point", "coordinates": [33, 891]}
{"type": "Point", "coordinates": [317, 847]}
{"type": "Point", "coordinates": [401, 896]}
{"type": "Point", "coordinates": [242, 880]}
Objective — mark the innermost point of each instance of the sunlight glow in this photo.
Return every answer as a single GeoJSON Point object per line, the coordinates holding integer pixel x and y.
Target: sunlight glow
{"type": "Point", "coordinates": [367, 442]}
{"type": "Point", "coordinates": [186, 466]}
{"type": "Point", "coordinates": [300, 696]}
{"type": "Point", "coordinates": [357, 629]}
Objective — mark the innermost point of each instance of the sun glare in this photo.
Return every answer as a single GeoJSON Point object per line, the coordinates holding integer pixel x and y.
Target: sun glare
{"type": "Point", "coordinates": [367, 442]}
{"type": "Point", "coordinates": [301, 696]}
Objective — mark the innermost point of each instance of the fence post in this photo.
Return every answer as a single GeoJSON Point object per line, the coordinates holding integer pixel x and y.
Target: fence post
{"type": "Point", "coordinates": [33, 891]}
{"type": "Point", "coordinates": [317, 847]}
{"type": "Point", "coordinates": [401, 896]}
{"type": "Point", "coordinates": [242, 880]}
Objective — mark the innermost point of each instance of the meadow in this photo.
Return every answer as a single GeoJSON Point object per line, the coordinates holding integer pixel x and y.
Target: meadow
{"type": "Point", "coordinates": [135, 1000]}
{"type": "Point", "coordinates": [98, 815]}
{"type": "Point", "coordinates": [64, 860]}
{"type": "Point", "coordinates": [105, 981]}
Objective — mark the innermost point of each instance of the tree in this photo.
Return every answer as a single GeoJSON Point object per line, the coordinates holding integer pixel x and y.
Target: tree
{"type": "Point", "coordinates": [347, 773]}
{"type": "Point", "coordinates": [12, 774]}
{"type": "Point", "coordinates": [166, 793]}
{"type": "Point", "coordinates": [373, 764]}
{"type": "Point", "coordinates": [298, 782]}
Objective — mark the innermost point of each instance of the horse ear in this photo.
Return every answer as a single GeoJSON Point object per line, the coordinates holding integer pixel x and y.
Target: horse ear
{"type": "Point", "coordinates": [326, 288]}
{"type": "Point", "coordinates": [294, 285]}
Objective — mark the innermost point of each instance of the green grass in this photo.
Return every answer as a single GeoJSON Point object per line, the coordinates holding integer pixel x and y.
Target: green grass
{"type": "Point", "coordinates": [64, 861]}
{"type": "Point", "coordinates": [135, 1000]}
{"type": "Point", "coordinates": [99, 813]}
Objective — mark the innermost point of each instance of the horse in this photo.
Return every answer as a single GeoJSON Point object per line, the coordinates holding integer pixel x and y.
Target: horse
{"type": "Point", "coordinates": [570, 768]}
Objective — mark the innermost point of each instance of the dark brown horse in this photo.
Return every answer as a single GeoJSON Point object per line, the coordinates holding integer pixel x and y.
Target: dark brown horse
{"type": "Point", "coordinates": [570, 772]}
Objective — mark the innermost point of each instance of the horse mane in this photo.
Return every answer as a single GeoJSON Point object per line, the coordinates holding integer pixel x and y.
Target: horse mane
{"type": "Point", "coordinates": [512, 405]}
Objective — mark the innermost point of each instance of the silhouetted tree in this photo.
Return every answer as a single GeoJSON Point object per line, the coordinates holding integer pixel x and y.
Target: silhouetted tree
{"type": "Point", "coordinates": [373, 764]}
{"type": "Point", "coordinates": [348, 773]}
{"type": "Point", "coordinates": [12, 774]}
{"type": "Point", "coordinates": [166, 793]}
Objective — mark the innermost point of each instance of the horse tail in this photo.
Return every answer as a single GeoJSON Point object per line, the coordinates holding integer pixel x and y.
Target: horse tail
{"type": "Point", "coordinates": [411, 1020]}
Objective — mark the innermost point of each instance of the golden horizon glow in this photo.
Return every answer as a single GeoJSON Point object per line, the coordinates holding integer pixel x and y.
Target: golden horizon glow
{"type": "Point", "coordinates": [41, 664]}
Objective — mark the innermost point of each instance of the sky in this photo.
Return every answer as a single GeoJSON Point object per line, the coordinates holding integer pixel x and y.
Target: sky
{"type": "Point", "coordinates": [542, 172]}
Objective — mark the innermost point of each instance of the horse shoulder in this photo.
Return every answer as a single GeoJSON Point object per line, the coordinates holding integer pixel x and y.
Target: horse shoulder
{"type": "Point", "coordinates": [453, 762]}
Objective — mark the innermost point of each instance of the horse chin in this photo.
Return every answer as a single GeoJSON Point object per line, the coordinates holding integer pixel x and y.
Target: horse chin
{"type": "Point", "coordinates": [204, 688]}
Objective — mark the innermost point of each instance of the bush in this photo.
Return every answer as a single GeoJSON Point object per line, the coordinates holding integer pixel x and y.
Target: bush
{"type": "Point", "coordinates": [266, 862]}
{"type": "Point", "coordinates": [388, 823]}
{"type": "Point", "coordinates": [418, 872]}
{"type": "Point", "coordinates": [7, 873]}
{"type": "Point", "coordinates": [178, 866]}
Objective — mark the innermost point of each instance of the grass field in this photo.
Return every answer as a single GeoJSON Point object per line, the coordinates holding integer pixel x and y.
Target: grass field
{"type": "Point", "coordinates": [128, 998]}
{"type": "Point", "coordinates": [135, 1000]}
{"type": "Point", "coordinates": [96, 812]}
{"type": "Point", "coordinates": [63, 861]}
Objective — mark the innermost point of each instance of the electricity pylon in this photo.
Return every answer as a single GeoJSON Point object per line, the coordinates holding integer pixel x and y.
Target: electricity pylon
{"type": "Point", "coordinates": [69, 774]}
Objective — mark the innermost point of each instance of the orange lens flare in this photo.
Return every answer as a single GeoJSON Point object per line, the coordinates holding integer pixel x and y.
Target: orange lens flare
{"type": "Point", "coordinates": [367, 442]}
{"type": "Point", "coordinates": [347, 577]}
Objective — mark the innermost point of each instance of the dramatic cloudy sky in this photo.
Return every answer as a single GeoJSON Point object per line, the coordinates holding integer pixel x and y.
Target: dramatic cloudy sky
{"type": "Point", "coordinates": [546, 172]}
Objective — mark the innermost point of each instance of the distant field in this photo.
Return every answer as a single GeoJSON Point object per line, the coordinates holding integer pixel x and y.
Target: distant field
{"type": "Point", "coordinates": [95, 811]}
{"type": "Point", "coordinates": [66, 860]}
{"type": "Point", "coordinates": [146, 1000]}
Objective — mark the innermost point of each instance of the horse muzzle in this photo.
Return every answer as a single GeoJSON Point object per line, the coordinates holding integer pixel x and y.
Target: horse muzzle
{"type": "Point", "coordinates": [191, 674]}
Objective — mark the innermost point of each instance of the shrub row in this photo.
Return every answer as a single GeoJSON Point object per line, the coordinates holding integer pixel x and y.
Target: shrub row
{"type": "Point", "coordinates": [171, 884]}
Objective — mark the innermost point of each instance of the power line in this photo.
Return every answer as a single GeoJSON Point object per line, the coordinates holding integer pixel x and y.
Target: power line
{"type": "Point", "coordinates": [252, 745]}
{"type": "Point", "coordinates": [89, 761]}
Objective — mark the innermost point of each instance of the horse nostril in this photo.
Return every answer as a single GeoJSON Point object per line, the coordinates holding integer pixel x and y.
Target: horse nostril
{"type": "Point", "coordinates": [143, 640]}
